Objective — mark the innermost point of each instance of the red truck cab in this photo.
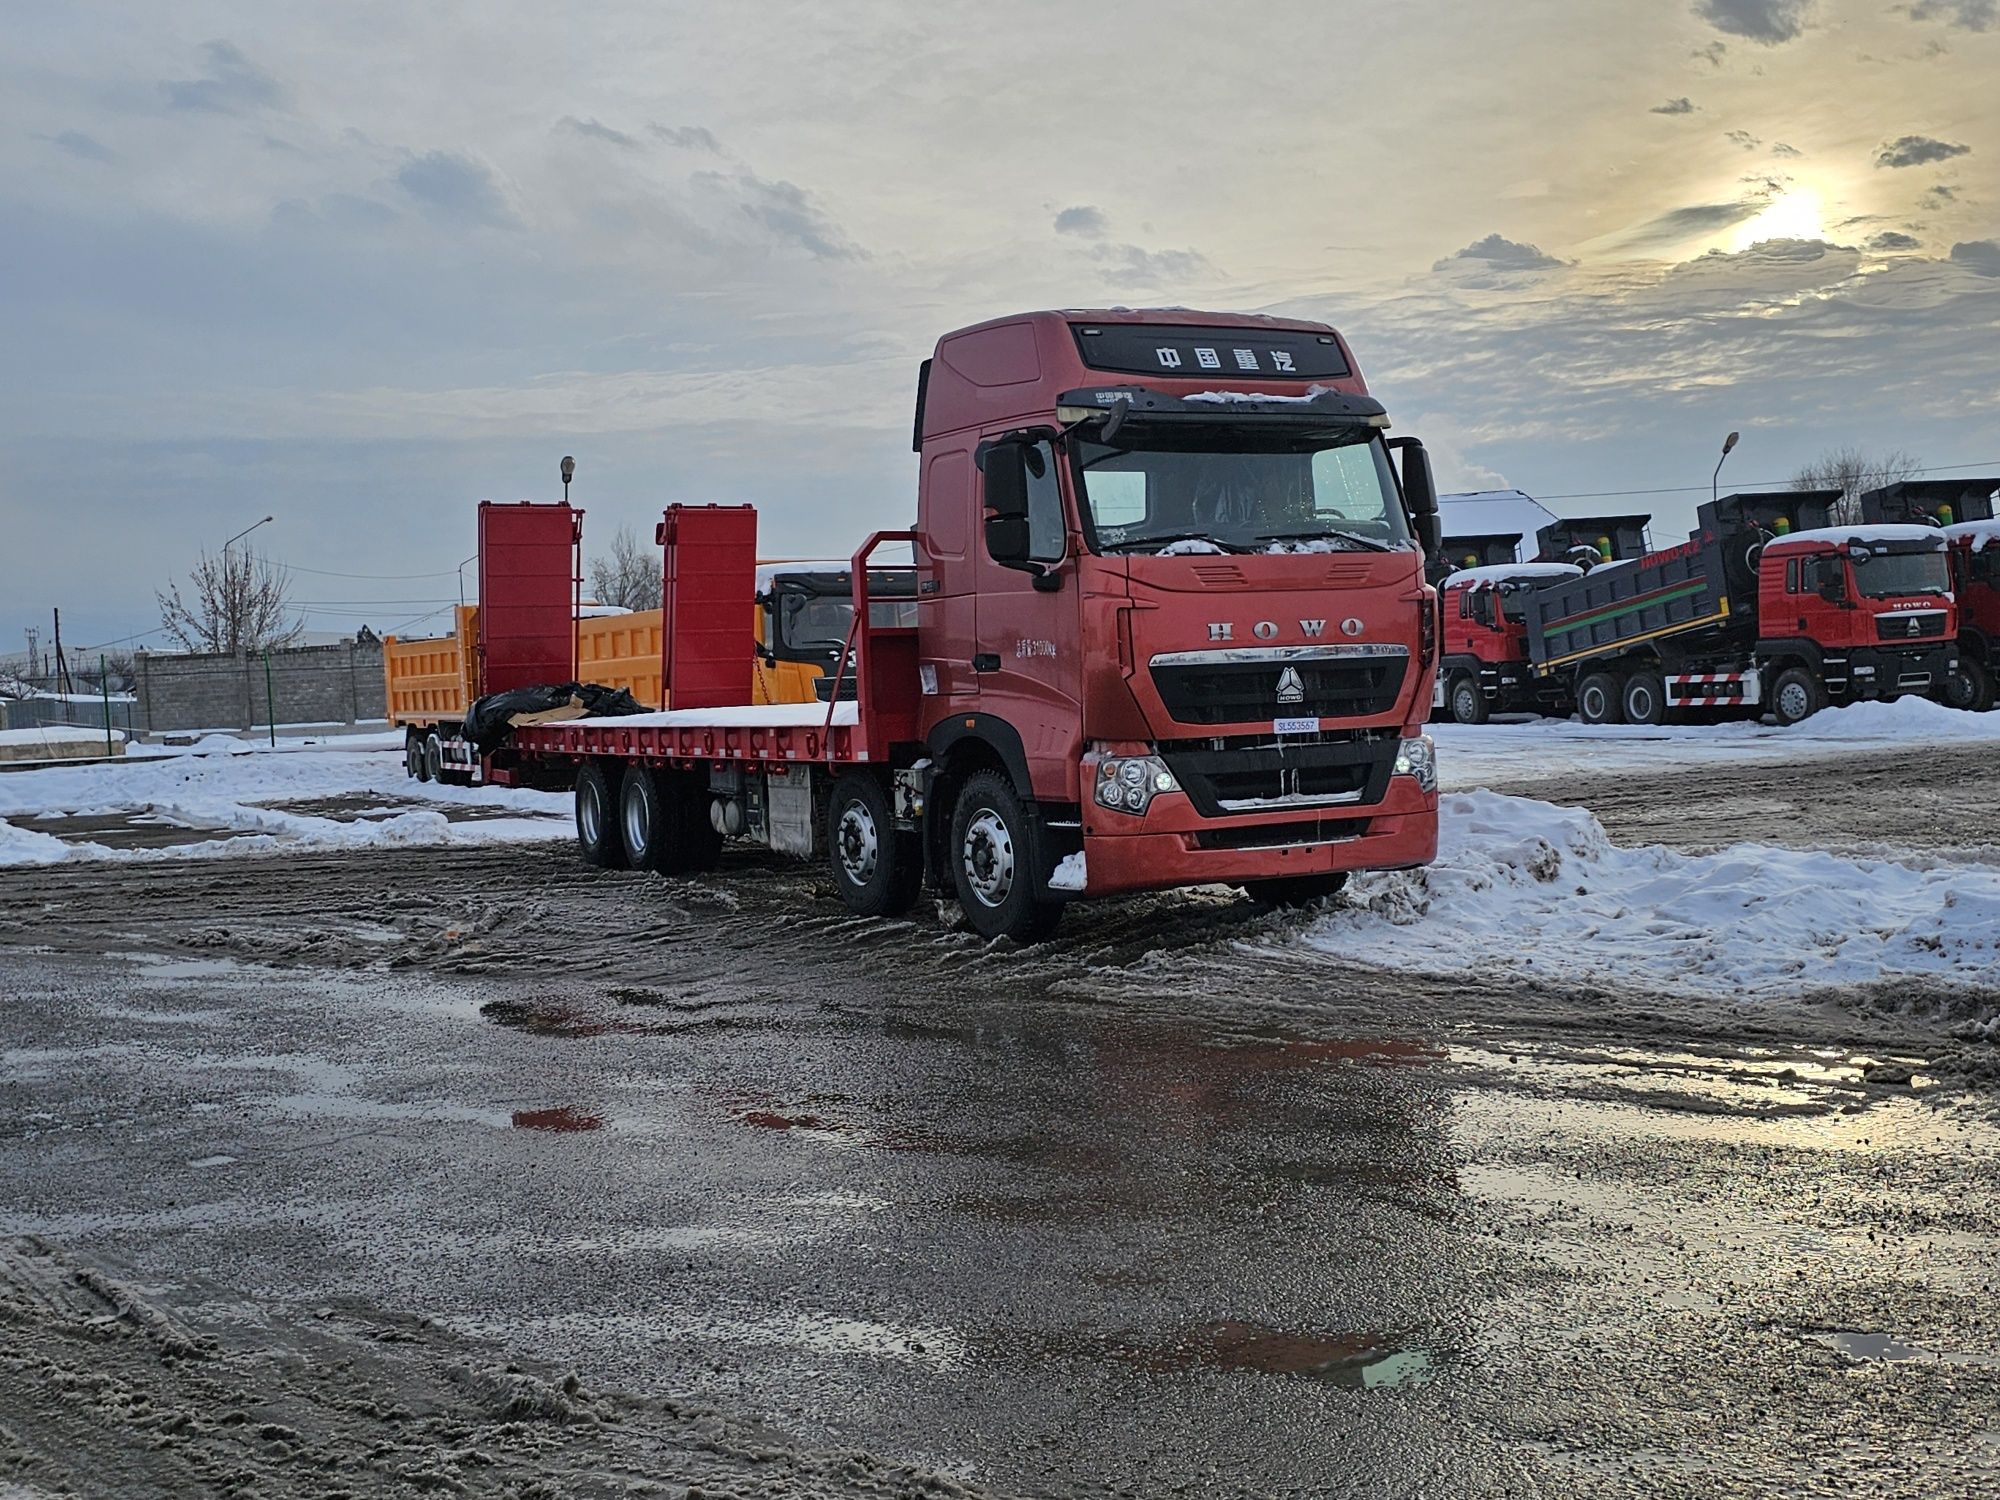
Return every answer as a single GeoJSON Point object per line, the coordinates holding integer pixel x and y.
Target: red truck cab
{"type": "Point", "coordinates": [1171, 600]}
{"type": "Point", "coordinates": [1484, 664]}
{"type": "Point", "coordinates": [1975, 576]}
{"type": "Point", "coordinates": [1839, 607]}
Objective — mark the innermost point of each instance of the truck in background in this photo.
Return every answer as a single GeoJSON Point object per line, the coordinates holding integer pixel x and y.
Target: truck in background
{"type": "Point", "coordinates": [1484, 668]}
{"type": "Point", "coordinates": [1171, 629]}
{"type": "Point", "coordinates": [1767, 603]}
{"type": "Point", "coordinates": [1964, 510]}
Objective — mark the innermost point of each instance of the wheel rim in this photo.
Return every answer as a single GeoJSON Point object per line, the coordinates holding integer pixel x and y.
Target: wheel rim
{"type": "Point", "coordinates": [1958, 690]}
{"type": "Point", "coordinates": [413, 758]}
{"type": "Point", "coordinates": [589, 812]}
{"type": "Point", "coordinates": [1793, 701]}
{"type": "Point", "coordinates": [1465, 704]}
{"type": "Point", "coordinates": [638, 822]}
{"type": "Point", "coordinates": [988, 857]}
{"type": "Point", "coordinates": [1640, 704]}
{"type": "Point", "coordinates": [1593, 702]}
{"type": "Point", "coordinates": [859, 845]}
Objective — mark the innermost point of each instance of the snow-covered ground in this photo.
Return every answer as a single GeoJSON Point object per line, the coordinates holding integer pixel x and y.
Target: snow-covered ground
{"type": "Point", "coordinates": [229, 791]}
{"type": "Point", "coordinates": [1527, 889]}
{"type": "Point", "coordinates": [1530, 748]}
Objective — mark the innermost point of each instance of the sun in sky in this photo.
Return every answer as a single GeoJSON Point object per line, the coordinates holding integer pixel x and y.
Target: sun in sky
{"type": "Point", "coordinates": [1794, 214]}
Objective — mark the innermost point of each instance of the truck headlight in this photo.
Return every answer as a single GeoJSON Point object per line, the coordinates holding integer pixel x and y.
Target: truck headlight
{"type": "Point", "coordinates": [1418, 758]}
{"type": "Point", "coordinates": [1130, 782]}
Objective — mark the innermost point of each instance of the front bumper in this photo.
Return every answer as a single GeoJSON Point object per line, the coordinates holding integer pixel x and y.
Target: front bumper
{"type": "Point", "coordinates": [1878, 672]}
{"type": "Point", "coordinates": [1174, 845]}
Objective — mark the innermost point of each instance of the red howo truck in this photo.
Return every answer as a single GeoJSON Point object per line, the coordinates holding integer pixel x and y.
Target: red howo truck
{"type": "Point", "coordinates": [1767, 603]}
{"type": "Point", "coordinates": [1171, 629]}
{"type": "Point", "coordinates": [1964, 508]}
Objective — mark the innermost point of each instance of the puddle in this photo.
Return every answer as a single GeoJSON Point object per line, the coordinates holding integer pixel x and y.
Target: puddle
{"type": "Point", "coordinates": [557, 1020]}
{"type": "Point", "coordinates": [1363, 1361]}
{"type": "Point", "coordinates": [127, 830]}
{"type": "Point", "coordinates": [1884, 1348]}
{"type": "Point", "coordinates": [371, 807]}
{"type": "Point", "coordinates": [563, 1119]}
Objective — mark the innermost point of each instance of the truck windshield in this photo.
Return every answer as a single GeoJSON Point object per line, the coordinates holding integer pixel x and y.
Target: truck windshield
{"type": "Point", "coordinates": [1203, 488]}
{"type": "Point", "coordinates": [1884, 576]}
{"type": "Point", "coordinates": [813, 626]}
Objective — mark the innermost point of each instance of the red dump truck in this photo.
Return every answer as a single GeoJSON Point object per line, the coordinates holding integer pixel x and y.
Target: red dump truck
{"type": "Point", "coordinates": [1768, 603]}
{"type": "Point", "coordinates": [1964, 510]}
{"type": "Point", "coordinates": [1484, 667]}
{"type": "Point", "coordinates": [1171, 629]}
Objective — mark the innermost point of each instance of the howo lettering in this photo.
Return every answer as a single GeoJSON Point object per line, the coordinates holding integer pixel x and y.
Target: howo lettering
{"type": "Point", "coordinates": [1132, 528]}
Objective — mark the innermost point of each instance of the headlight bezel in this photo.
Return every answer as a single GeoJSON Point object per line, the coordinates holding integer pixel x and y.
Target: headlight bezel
{"type": "Point", "coordinates": [1129, 783]}
{"type": "Point", "coordinates": [1416, 757]}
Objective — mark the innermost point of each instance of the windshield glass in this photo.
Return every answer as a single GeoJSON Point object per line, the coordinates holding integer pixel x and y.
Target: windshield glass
{"type": "Point", "coordinates": [1885, 576]}
{"type": "Point", "coordinates": [1240, 492]}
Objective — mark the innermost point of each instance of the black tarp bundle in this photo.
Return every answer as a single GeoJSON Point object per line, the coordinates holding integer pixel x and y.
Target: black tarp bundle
{"type": "Point", "coordinates": [490, 720]}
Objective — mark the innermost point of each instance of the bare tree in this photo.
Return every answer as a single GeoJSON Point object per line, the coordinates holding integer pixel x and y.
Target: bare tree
{"type": "Point", "coordinates": [631, 577]}
{"type": "Point", "coordinates": [237, 602]}
{"type": "Point", "coordinates": [1854, 471]}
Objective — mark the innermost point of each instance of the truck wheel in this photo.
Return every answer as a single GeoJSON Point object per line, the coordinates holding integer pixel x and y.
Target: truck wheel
{"type": "Point", "coordinates": [645, 820]}
{"type": "Point", "coordinates": [1296, 890]}
{"type": "Point", "coordinates": [1597, 700]}
{"type": "Point", "coordinates": [1799, 695]}
{"type": "Point", "coordinates": [1645, 699]}
{"type": "Point", "coordinates": [597, 832]}
{"type": "Point", "coordinates": [989, 863]}
{"type": "Point", "coordinates": [414, 764]}
{"type": "Point", "coordinates": [433, 757]}
{"type": "Point", "coordinates": [1970, 687]}
{"type": "Point", "coordinates": [877, 869]}
{"type": "Point", "coordinates": [1468, 704]}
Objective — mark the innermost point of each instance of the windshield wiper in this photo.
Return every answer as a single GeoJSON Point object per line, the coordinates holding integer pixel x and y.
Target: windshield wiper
{"type": "Point", "coordinates": [1167, 539]}
{"type": "Point", "coordinates": [1373, 544]}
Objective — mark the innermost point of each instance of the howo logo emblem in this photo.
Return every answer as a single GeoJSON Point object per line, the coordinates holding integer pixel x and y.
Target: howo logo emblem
{"type": "Point", "coordinates": [1267, 630]}
{"type": "Point", "coordinates": [1291, 686]}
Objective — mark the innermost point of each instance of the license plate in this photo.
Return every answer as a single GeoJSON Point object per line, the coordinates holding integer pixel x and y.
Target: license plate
{"type": "Point", "coordinates": [1295, 726]}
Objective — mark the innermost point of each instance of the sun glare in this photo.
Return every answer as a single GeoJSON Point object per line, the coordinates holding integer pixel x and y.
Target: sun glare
{"type": "Point", "coordinates": [1793, 215]}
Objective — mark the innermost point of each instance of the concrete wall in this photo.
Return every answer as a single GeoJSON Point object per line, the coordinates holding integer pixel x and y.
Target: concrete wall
{"type": "Point", "coordinates": [308, 685]}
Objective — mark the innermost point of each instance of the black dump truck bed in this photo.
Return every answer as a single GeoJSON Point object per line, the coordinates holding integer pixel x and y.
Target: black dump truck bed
{"type": "Point", "coordinates": [1940, 502]}
{"type": "Point", "coordinates": [1473, 550]}
{"type": "Point", "coordinates": [1701, 594]}
{"type": "Point", "coordinates": [1608, 538]}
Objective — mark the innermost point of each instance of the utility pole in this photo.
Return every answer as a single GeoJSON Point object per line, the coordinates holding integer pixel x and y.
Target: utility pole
{"type": "Point", "coordinates": [62, 667]}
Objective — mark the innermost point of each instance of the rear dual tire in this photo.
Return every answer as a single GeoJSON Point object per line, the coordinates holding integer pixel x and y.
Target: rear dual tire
{"type": "Point", "coordinates": [644, 819]}
{"type": "Point", "coordinates": [1598, 700]}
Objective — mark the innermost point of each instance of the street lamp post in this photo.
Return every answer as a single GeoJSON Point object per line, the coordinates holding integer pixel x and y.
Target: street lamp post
{"type": "Point", "coordinates": [461, 579]}
{"type": "Point", "coordinates": [243, 533]}
{"type": "Point", "coordinates": [1715, 479]}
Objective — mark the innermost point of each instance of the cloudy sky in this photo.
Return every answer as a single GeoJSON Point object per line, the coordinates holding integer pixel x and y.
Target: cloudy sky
{"type": "Point", "coordinates": [362, 265]}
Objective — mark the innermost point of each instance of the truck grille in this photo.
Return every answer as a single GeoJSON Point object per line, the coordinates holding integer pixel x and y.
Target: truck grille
{"type": "Point", "coordinates": [1244, 686]}
{"type": "Point", "coordinates": [1910, 625]}
{"type": "Point", "coordinates": [1266, 778]}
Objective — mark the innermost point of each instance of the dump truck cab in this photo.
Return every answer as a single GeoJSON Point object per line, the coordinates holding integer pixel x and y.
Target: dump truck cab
{"type": "Point", "coordinates": [1484, 667]}
{"type": "Point", "coordinates": [1171, 588]}
{"type": "Point", "coordinates": [1964, 510]}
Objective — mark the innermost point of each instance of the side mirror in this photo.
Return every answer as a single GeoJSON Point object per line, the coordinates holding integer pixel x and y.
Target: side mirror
{"type": "Point", "coordinates": [1005, 465]}
{"type": "Point", "coordinates": [1007, 539]}
{"type": "Point", "coordinates": [1420, 494]}
{"type": "Point", "coordinates": [1833, 590]}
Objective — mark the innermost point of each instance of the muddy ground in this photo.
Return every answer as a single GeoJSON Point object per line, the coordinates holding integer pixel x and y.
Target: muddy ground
{"type": "Point", "coordinates": [478, 1172]}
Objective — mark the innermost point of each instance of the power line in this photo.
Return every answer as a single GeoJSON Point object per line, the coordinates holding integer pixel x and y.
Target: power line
{"type": "Point", "coordinates": [325, 573]}
{"type": "Point", "coordinates": [1686, 489]}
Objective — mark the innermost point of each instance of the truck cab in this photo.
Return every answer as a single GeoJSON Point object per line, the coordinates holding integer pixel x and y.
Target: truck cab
{"type": "Point", "coordinates": [1854, 612]}
{"type": "Point", "coordinates": [1964, 510]}
{"type": "Point", "coordinates": [1171, 604]}
{"type": "Point", "coordinates": [1484, 668]}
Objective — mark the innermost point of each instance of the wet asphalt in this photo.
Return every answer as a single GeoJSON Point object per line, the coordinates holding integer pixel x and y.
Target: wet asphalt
{"type": "Point", "coordinates": [1158, 1209]}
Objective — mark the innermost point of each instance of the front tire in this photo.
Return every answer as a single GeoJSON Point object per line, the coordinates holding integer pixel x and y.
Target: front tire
{"type": "Point", "coordinates": [1597, 699]}
{"type": "Point", "coordinates": [1468, 704]}
{"type": "Point", "coordinates": [597, 833]}
{"type": "Point", "coordinates": [1797, 696]}
{"type": "Point", "coordinates": [1970, 687]}
{"type": "Point", "coordinates": [1296, 890]}
{"type": "Point", "coordinates": [877, 869]}
{"type": "Point", "coordinates": [990, 853]}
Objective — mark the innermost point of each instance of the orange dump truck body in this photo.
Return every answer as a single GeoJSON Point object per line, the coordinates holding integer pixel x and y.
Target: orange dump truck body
{"type": "Point", "coordinates": [434, 681]}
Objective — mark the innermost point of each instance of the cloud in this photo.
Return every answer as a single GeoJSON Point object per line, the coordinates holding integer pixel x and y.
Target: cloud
{"type": "Point", "coordinates": [1685, 223]}
{"type": "Point", "coordinates": [688, 137]}
{"type": "Point", "coordinates": [1500, 254]}
{"type": "Point", "coordinates": [1917, 151]}
{"type": "Point", "coordinates": [1712, 54]}
{"type": "Point", "coordinates": [1968, 15]}
{"type": "Point", "coordinates": [1680, 106]}
{"type": "Point", "coordinates": [231, 84]}
{"type": "Point", "coordinates": [1939, 196]}
{"type": "Point", "coordinates": [1136, 263]}
{"type": "Point", "coordinates": [452, 186]}
{"type": "Point", "coordinates": [784, 210]}
{"type": "Point", "coordinates": [79, 145]}
{"type": "Point", "coordinates": [1744, 139]}
{"type": "Point", "coordinates": [1895, 239]}
{"type": "Point", "coordinates": [1766, 21]}
{"type": "Point", "coordinates": [598, 131]}
{"type": "Point", "coordinates": [1082, 219]}
{"type": "Point", "coordinates": [1981, 257]}
{"type": "Point", "coordinates": [1779, 148]}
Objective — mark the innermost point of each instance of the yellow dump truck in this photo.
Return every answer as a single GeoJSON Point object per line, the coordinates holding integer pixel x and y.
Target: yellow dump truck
{"type": "Point", "coordinates": [799, 627]}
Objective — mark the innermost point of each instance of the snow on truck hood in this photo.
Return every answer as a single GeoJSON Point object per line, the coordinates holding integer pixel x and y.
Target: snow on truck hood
{"type": "Point", "coordinates": [1882, 531]}
{"type": "Point", "coordinates": [1495, 573]}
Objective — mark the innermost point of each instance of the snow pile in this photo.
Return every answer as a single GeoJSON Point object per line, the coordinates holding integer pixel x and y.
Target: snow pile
{"type": "Point", "coordinates": [232, 793]}
{"type": "Point", "coordinates": [1494, 574]}
{"type": "Point", "coordinates": [1236, 398]}
{"type": "Point", "coordinates": [1526, 890]}
{"type": "Point", "coordinates": [1072, 874]}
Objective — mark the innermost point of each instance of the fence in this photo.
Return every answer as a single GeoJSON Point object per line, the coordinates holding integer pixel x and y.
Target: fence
{"type": "Point", "coordinates": [296, 685]}
{"type": "Point", "coordinates": [83, 710]}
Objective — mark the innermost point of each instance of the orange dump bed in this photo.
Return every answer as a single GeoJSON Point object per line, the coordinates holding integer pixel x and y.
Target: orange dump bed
{"type": "Point", "coordinates": [433, 680]}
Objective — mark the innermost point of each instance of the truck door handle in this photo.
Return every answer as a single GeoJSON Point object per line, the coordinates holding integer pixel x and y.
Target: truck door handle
{"type": "Point", "coordinates": [986, 661]}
